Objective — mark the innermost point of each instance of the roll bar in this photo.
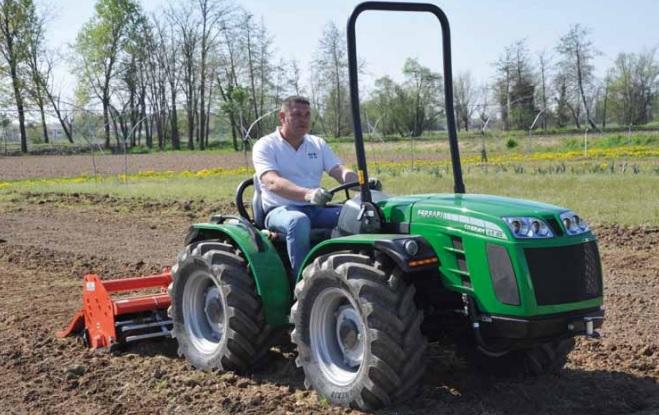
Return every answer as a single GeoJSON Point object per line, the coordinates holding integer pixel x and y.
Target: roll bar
{"type": "Point", "coordinates": [448, 89]}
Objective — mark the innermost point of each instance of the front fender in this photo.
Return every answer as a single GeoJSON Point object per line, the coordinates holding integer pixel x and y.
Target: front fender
{"type": "Point", "coordinates": [268, 272]}
{"type": "Point", "coordinates": [390, 244]}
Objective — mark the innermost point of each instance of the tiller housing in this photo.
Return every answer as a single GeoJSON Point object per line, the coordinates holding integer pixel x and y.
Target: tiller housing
{"type": "Point", "coordinates": [105, 321]}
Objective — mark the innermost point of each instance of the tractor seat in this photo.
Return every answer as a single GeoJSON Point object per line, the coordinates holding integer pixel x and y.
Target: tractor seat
{"type": "Point", "coordinates": [259, 214]}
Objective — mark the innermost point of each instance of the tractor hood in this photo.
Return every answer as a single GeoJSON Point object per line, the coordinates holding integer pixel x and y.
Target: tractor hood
{"type": "Point", "coordinates": [471, 212]}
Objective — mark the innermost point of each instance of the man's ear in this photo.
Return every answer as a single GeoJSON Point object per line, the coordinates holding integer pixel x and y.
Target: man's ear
{"type": "Point", "coordinates": [282, 116]}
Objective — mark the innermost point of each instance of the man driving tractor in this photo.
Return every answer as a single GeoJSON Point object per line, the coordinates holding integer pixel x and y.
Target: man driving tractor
{"type": "Point", "coordinates": [289, 165]}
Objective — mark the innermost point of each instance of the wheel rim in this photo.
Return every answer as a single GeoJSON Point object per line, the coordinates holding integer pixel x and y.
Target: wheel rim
{"type": "Point", "coordinates": [337, 336]}
{"type": "Point", "coordinates": [203, 312]}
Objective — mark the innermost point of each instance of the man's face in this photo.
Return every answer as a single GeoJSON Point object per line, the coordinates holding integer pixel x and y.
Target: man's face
{"type": "Point", "coordinates": [297, 119]}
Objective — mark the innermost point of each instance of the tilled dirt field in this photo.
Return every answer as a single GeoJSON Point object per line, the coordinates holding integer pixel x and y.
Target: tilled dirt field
{"type": "Point", "coordinates": [47, 242]}
{"type": "Point", "coordinates": [26, 167]}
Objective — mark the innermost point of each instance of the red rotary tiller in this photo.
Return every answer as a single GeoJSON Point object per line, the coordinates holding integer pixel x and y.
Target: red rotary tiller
{"type": "Point", "coordinates": [105, 321]}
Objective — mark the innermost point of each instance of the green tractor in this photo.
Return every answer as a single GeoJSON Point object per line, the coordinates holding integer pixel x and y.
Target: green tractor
{"type": "Point", "coordinates": [511, 281]}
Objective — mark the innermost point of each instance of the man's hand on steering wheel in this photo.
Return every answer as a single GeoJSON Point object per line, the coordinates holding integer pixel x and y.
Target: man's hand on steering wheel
{"type": "Point", "coordinates": [374, 184]}
{"type": "Point", "coordinates": [318, 196]}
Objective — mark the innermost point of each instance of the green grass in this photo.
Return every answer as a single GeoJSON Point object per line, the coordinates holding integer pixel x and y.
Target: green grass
{"type": "Point", "coordinates": [173, 188]}
{"type": "Point", "coordinates": [621, 199]}
{"type": "Point", "coordinates": [612, 140]}
{"type": "Point", "coordinates": [497, 144]}
{"type": "Point", "coordinates": [626, 199]}
{"type": "Point", "coordinates": [612, 189]}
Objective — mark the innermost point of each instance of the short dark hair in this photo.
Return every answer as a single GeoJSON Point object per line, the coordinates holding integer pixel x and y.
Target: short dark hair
{"type": "Point", "coordinates": [288, 102]}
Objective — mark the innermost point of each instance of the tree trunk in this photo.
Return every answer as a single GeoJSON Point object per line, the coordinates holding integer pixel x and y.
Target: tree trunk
{"type": "Point", "coordinates": [65, 126]}
{"type": "Point", "coordinates": [337, 107]}
{"type": "Point", "coordinates": [208, 109]}
{"type": "Point", "coordinates": [509, 108]}
{"type": "Point", "coordinates": [202, 95]}
{"type": "Point", "coordinates": [252, 81]}
{"type": "Point", "coordinates": [106, 122]}
{"type": "Point", "coordinates": [148, 131]}
{"type": "Point", "coordinates": [606, 98]}
{"type": "Point", "coordinates": [574, 115]}
{"type": "Point", "coordinates": [173, 119]}
{"type": "Point", "coordinates": [19, 105]}
{"type": "Point", "coordinates": [42, 113]}
{"type": "Point", "coordinates": [582, 92]}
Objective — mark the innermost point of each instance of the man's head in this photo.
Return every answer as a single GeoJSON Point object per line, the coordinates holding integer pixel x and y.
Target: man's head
{"type": "Point", "coordinates": [295, 117]}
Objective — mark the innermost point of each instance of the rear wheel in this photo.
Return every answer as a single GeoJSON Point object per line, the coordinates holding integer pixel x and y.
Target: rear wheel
{"type": "Point", "coordinates": [217, 315]}
{"type": "Point", "coordinates": [543, 358]}
{"type": "Point", "coordinates": [357, 332]}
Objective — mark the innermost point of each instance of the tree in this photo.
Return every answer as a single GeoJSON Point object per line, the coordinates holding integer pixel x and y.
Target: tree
{"type": "Point", "coordinates": [634, 87]}
{"type": "Point", "coordinates": [379, 109]}
{"type": "Point", "coordinates": [256, 44]}
{"type": "Point", "coordinates": [38, 67]}
{"type": "Point", "coordinates": [409, 108]}
{"type": "Point", "coordinates": [331, 67]}
{"type": "Point", "coordinates": [424, 89]}
{"type": "Point", "coordinates": [211, 14]}
{"type": "Point", "coordinates": [515, 86]}
{"type": "Point", "coordinates": [187, 32]}
{"type": "Point", "coordinates": [16, 20]}
{"type": "Point", "coordinates": [464, 95]}
{"type": "Point", "coordinates": [227, 79]}
{"type": "Point", "coordinates": [99, 45]}
{"type": "Point", "coordinates": [544, 66]}
{"type": "Point", "coordinates": [146, 79]}
{"type": "Point", "coordinates": [294, 78]}
{"type": "Point", "coordinates": [170, 67]}
{"type": "Point", "coordinates": [577, 53]}
{"type": "Point", "coordinates": [564, 108]}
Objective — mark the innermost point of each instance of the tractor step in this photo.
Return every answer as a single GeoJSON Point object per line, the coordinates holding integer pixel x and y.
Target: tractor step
{"type": "Point", "coordinates": [105, 321]}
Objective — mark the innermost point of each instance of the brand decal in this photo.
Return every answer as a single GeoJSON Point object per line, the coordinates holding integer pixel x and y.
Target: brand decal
{"type": "Point", "coordinates": [468, 223]}
{"type": "Point", "coordinates": [312, 156]}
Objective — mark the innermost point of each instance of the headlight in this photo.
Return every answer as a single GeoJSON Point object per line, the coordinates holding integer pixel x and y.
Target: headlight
{"type": "Point", "coordinates": [411, 247]}
{"type": "Point", "coordinates": [573, 223]}
{"type": "Point", "coordinates": [528, 227]}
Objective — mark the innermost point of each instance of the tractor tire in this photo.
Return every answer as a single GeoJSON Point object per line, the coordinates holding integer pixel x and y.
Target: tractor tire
{"type": "Point", "coordinates": [357, 332]}
{"type": "Point", "coordinates": [217, 315]}
{"type": "Point", "coordinates": [542, 359]}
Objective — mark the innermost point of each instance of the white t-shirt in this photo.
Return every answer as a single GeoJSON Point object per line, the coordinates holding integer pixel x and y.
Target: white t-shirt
{"type": "Point", "coordinates": [303, 166]}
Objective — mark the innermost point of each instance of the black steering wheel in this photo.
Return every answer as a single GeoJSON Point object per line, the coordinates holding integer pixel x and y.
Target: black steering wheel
{"type": "Point", "coordinates": [345, 186]}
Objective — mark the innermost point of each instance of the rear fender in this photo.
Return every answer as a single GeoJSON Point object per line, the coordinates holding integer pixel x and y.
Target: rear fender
{"type": "Point", "coordinates": [268, 272]}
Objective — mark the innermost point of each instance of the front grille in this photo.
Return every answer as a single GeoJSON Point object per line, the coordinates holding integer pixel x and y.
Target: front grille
{"type": "Point", "coordinates": [565, 274]}
{"type": "Point", "coordinates": [502, 274]}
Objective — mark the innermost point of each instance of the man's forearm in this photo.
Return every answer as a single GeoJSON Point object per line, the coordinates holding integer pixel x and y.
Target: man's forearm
{"type": "Point", "coordinates": [349, 176]}
{"type": "Point", "coordinates": [284, 187]}
{"type": "Point", "coordinates": [343, 175]}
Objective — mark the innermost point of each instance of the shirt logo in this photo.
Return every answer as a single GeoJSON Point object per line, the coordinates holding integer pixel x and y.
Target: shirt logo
{"type": "Point", "coordinates": [312, 156]}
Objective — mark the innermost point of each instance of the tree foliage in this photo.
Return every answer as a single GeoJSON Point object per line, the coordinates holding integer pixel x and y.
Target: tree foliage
{"type": "Point", "coordinates": [100, 45]}
{"type": "Point", "coordinates": [634, 87]}
{"type": "Point", "coordinates": [408, 108]}
{"type": "Point", "coordinates": [515, 86]}
{"type": "Point", "coordinates": [17, 18]}
{"type": "Point", "coordinates": [576, 68]}
{"type": "Point", "coordinates": [331, 72]}
{"type": "Point", "coordinates": [202, 69]}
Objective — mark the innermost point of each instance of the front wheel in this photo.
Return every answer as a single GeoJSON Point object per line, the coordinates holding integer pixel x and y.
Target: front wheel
{"type": "Point", "coordinates": [357, 332]}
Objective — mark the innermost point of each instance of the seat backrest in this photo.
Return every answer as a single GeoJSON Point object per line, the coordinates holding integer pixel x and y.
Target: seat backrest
{"type": "Point", "coordinates": [257, 206]}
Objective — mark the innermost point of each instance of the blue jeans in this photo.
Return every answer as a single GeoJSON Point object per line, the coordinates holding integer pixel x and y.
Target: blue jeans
{"type": "Point", "coordinates": [296, 222]}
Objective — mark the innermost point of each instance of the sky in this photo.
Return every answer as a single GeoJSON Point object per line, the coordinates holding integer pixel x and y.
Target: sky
{"type": "Point", "coordinates": [480, 30]}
